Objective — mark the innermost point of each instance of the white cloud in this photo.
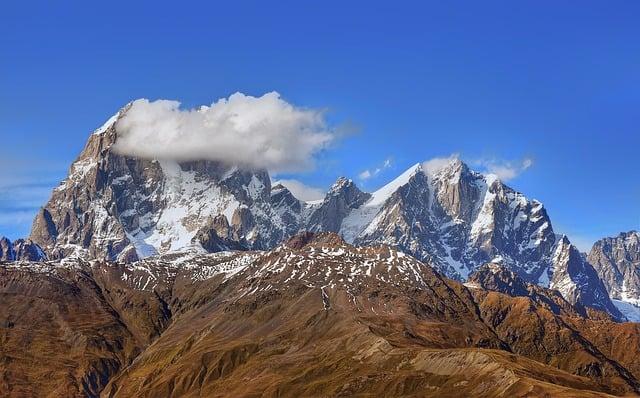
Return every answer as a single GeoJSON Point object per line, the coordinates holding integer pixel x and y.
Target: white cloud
{"type": "Point", "coordinates": [302, 191]}
{"type": "Point", "coordinates": [434, 165]}
{"type": "Point", "coordinates": [505, 170]}
{"type": "Point", "coordinates": [366, 174]}
{"type": "Point", "coordinates": [258, 132]}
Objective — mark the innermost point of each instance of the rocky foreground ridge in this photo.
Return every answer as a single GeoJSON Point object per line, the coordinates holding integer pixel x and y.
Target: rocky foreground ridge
{"type": "Point", "coordinates": [313, 317]}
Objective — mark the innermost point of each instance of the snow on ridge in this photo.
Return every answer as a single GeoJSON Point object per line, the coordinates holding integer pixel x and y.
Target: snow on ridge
{"type": "Point", "coordinates": [186, 197]}
{"type": "Point", "coordinates": [363, 218]}
{"type": "Point", "coordinates": [344, 267]}
{"type": "Point", "coordinates": [381, 195]}
{"type": "Point", "coordinates": [110, 122]}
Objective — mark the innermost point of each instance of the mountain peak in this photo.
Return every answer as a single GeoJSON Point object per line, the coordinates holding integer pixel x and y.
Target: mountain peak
{"type": "Point", "coordinates": [578, 282]}
{"type": "Point", "coordinates": [617, 262]}
{"type": "Point", "coordinates": [340, 184]}
{"type": "Point", "coordinates": [445, 167]}
{"type": "Point", "coordinates": [20, 250]}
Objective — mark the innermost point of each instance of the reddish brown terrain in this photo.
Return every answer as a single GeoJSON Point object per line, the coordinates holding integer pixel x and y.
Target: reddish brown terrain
{"type": "Point", "coordinates": [313, 317]}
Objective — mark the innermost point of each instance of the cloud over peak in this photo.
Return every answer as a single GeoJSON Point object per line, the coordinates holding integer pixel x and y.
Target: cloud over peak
{"type": "Point", "coordinates": [257, 132]}
{"type": "Point", "coordinates": [433, 165]}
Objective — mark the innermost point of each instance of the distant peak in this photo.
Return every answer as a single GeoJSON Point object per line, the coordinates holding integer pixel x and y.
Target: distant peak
{"type": "Point", "coordinates": [278, 187]}
{"type": "Point", "coordinates": [410, 172]}
{"type": "Point", "coordinates": [564, 240]}
{"type": "Point", "coordinates": [445, 167]}
{"type": "Point", "coordinates": [340, 184]}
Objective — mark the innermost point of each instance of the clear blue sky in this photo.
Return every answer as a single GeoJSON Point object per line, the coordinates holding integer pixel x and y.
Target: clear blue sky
{"type": "Point", "coordinates": [557, 83]}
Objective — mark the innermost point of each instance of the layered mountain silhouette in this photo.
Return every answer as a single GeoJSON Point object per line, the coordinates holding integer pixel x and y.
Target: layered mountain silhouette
{"type": "Point", "coordinates": [115, 207]}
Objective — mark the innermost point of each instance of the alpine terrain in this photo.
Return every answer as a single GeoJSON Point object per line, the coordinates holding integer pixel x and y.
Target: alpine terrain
{"type": "Point", "coordinates": [121, 208]}
{"type": "Point", "coordinates": [150, 277]}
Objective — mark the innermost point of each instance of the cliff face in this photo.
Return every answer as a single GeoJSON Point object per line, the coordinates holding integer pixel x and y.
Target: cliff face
{"type": "Point", "coordinates": [20, 250]}
{"type": "Point", "coordinates": [617, 261]}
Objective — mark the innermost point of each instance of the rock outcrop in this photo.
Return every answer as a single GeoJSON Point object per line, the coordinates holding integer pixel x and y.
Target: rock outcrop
{"type": "Point", "coordinates": [617, 261]}
{"type": "Point", "coordinates": [20, 250]}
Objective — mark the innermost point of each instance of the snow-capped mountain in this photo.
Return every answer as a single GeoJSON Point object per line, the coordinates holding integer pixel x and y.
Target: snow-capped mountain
{"type": "Point", "coordinates": [118, 207]}
{"type": "Point", "coordinates": [617, 262]}
{"type": "Point", "coordinates": [458, 220]}
{"type": "Point", "coordinates": [578, 281]}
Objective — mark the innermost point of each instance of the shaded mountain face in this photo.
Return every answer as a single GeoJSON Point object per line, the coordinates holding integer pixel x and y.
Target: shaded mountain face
{"type": "Point", "coordinates": [313, 317]}
{"type": "Point", "coordinates": [617, 261]}
{"type": "Point", "coordinates": [20, 250]}
{"type": "Point", "coordinates": [116, 207]}
{"type": "Point", "coordinates": [458, 220]}
{"type": "Point", "coordinates": [497, 277]}
{"type": "Point", "coordinates": [578, 281]}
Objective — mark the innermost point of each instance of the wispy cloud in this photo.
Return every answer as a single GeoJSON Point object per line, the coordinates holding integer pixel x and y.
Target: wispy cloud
{"type": "Point", "coordinates": [369, 173]}
{"type": "Point", "coordinates": [505, 169]}
{"type": "Point", "coordinates": [434, 165]}
{"type": "Point", "coordinates": [302, 191]}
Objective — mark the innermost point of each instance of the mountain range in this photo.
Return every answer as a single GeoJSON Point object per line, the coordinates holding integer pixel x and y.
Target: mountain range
{"type": "Point", "coordinates": [191, 255]}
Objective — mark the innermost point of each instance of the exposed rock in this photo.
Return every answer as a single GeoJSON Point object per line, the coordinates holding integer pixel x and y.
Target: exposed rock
{"type": "Point", "coordinates": [6, 250]}
{"type": "Point", "coordinates": [496, 277]}
{"type": "Point", "coordinates": [341, 199]}
{"type": "Point", "coordinates": [20, 250]}
{"type": "Point", "coordinates": [617, 261]}
{"type": "Point", "coordinates": [578, 282]}
{"type": "Point", "coordinates": [109, 203]}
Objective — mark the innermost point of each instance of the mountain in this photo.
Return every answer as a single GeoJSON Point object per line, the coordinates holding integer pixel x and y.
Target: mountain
{"type": "Point", "coordinates": [116, 207]}
{"type": "Point", "coordinates": [576, 279]}
{"type": "Point", "coordinates": [20, 250]}
{"type": "Point", "coordinates": [617, 262]}
{"type": "Point", "coordinates": [313, 317]}
{"type": "Point", "coordinates": [458, 219]}
{"type": "Point", "coordinates": [498, 278]}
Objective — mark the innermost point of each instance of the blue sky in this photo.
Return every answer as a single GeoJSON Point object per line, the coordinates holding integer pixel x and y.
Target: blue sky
{"type": "Point", "coordinates": [495, 82]}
